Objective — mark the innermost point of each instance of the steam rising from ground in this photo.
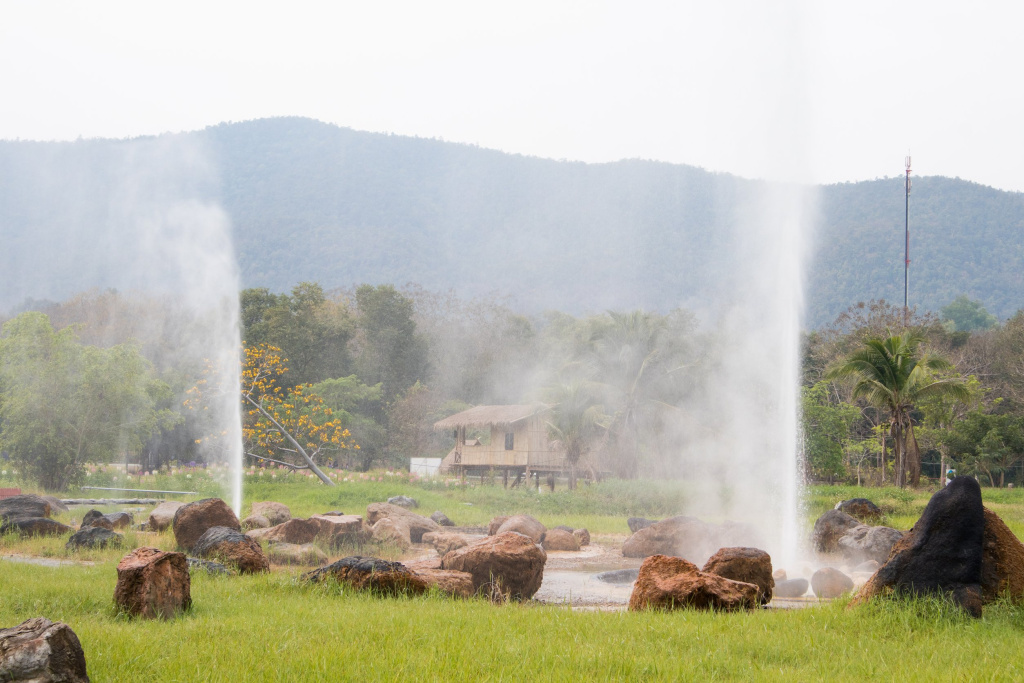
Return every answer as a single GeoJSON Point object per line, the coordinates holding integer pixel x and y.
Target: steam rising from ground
{"type": "Point", "coordinates": [164, 237]}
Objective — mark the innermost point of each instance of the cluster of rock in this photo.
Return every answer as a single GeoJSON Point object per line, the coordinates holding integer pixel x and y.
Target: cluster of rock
{"type": "Point", "coordinates": [560, 538]}
{"type": "Point", "coordinates": [737, 578]}
{"type": "Point", "coordinates": [29, 515]}
{"type": "Point", "coordinates": [838, 531]}
{"type": "Point", "coordinates": [686, 537]}
{"type": "Point", "coordinates": [958, 549]}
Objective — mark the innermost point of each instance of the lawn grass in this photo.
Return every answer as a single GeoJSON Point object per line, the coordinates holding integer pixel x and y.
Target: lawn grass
{"type": "Point", "coordinates": [274, 628]}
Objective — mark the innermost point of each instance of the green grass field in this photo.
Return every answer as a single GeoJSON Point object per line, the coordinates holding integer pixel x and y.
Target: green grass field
{"type": "Point", "coordinates": [274, 628]}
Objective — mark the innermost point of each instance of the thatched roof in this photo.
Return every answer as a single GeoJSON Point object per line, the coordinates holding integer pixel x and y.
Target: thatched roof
{"type": "Point", "coordinates": [485, 416]}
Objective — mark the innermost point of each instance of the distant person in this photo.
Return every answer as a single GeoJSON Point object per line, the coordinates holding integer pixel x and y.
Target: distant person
{"type": "Point", "coordinates": [949, 476]}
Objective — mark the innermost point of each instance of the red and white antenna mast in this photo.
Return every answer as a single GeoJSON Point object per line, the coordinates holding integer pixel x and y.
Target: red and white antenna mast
{"type": "Point", "coordinates": [906, 257]}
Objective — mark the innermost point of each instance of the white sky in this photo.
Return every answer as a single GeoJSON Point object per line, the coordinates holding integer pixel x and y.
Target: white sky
{"type": "Point", "coordinates": [823, 91]}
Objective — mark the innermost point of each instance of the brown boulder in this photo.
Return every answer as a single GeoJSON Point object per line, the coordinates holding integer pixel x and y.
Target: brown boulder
{"type": "Point", "coordinates": [685, 537]}
{"type": "Point", "coordinates": [492, 528]}
{"type": "Point", "coordinates": [1002, 561]}
{"type": "Point", "coordinates": [291, 553]}
{"type": "Point", "coordinates": [582, 536]}
{"type": "Point", "coordinates": [152, 583]}
{"type": "Point", "coordinates": [255, 522]}
{"type": "Point", "coordinates": [525, 525]}
{"type": "Point", "coordinates": [506, 566]}
{"type": "Point", "coordinates": [25, 506]}
{"type": "Point", "coordinates": [57, 505]}
{"type": "Point", "coordinates": [417, 524]}
{"type": "Point", "coordinates": [233, 548]}
{"type": "Point", "coordinates": [35, 526]}
{"type": "Point", "coordinates": [296, 531]}
{"type": "Point", "coordinates": [276, 513]}
{"type": "Point", "coordinates": [860, 508]}
{"type": "Point", "coordinates": [445, 542]}
{"type": "Point", "coordinates": [191, 521]}
{"type": "Point", "coordinates": [830, 583]}
{"type": "Point", "coordinates": [453, 583]}
{"type": "Point", "coordinates": [372, 574]}
{"type": "Point", "coordinates": [162, 515]}
{"type": "Point", "coordinates": [674, 583]}
{"type": "Point", "coordinates": [748, 565]}
{"type": "Point", "coordinates": [829, 528]}
{"type": "Point", "coordinates": [40, 650]}
{"type": "Point", "coordinates": [392, 531]}
{"type": "Point", "coordinates": [559, 539]}
{"type": "Point", "coordinates": [338, 529]}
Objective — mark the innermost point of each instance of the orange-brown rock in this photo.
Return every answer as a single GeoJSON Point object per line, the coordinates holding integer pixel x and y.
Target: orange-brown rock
{"type": "Point", "coordinates": [371, 574]}
{"type": "Point", "coordinates": [276, 513]}
{"type": "Point", "coordinates": [445, 541]}
{"type": "Point", "coordinates": [296, 531]}
{"type": "Point", "coordinates": [829, 583]}
{"type": "Point", "coordinates": [454, 583]}
{"type": "Point", "coordinates": [233, 548]}
{"type": "Point", "coordinates": [506, 566]}
{"type": "Point", "coordinates": [162, 515]}
{"type": "Point", "coordinates": [417, 524]}
{"type": "Point", "coordinates": [674, 583]}
{"type": "Point", "coordinates": [39, 650]}
{"type": "Point", "coordinates": [523, 524]}
{"type": "Point", "coordinates": [582, 536]}
{"type": "Point", "coordinates": [495, 524]}
{"type": "Point", "coordinates": [255, 522]}
{"type": "Point", "coordinates": [559, 540]}
{"type": "Point", "coordinates": [749, 565]}
{"type": "Point", "coordinates": [152, 583]}
{"type": "Point", "coordinates": [338, 529]}
{"type": "Point", "coordinates": [191, 521]}
{"type": "Point", "coordinates": [1002, 561]}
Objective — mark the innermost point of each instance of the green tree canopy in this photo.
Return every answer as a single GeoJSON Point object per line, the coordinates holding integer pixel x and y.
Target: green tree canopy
{"type": "Point", "coordinates": [967, 315]}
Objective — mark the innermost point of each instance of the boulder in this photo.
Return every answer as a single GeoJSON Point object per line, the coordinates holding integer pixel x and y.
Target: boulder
{"type": "Point", "coordinates": [864, 542]}
{"type": "Point", "coordinates": [95, 518]}
{"type": "Point", "coordinates": [233, 548]}
{"type": "Point", "coordinates": [192, 520]}
{"type": "Point", "coordinates": [39, 650]}
{"type": "Point", "coordinates": [790, 588]}
{"type": "Point", "coordinates": [292, 553]}
{"type": "Point", "coordinates": [779, 575]}
{"type": "Point", "coordinates": [1002, 561]}
{"type": "Point", "coordinates": [209, 566]}
{"type": "Point", "coordinates": [445, 541]}
{"type": "Point", "coordinates": [506, 566]}
{"type": "Point", "coordinates": [93, 537]}
{"type": "Point", "coordinates": [618, 577]}
{"type": "Point", "coordinates": [418, 524]}
{"type": "Point", "coordinates": [276, 513]}
{"type": "Point", "coordinates": [453, 583]}
{"type": "Point", "coordinates": [255, 522]}
{"type": "Point", "coordinates": [57, 505]}
{"type": "Point", "coordinates": [25, 506]}
{"type": "Point", "coordinates": [860, 508]}
{"type": "Point", "coordinates": [747, 565]}
{"type": "Point", "coordinates": [582, 536]}
{"type": "Point", "coordinates": [495, 524]}
{"type": "Point", "coordinates": [830, 583]}
{"type": "Point", "coordinates": [338, 529]}
{"type": "Point", "coordinates": [392, 531]}
{"type": "Point", "coordinates": [120, 520]}
{"type": "Point", "coordinates": [35, 526]}
{"type": "Point", "coordinates": [296, 531]}
{"type": "Point", "coordinates": [162, 515]}
{"type": "Point", "coordinates": [441, 518]}
{"type": "Point", "coordinates": [559, 539]}
{"type": "Point", "coordinates": [942, 554]}
{"type": "Point", "coordinates": [525, 525]}
{"type": "Point", "coordinates": [403, 502]}
{"type": "Point", "coordinates": [829, 528]}
{"type": "Point", "coordinates": [674, 583]}
{"type": "Point", "coordinates": [152, 583]}
{"type": "Point", "coordinates": [638, 523]}
{"type": "Point", "coordinates": [372, 574]}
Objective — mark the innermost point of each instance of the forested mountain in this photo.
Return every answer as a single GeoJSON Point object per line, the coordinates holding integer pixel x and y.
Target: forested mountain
{"type": "Point", "coordinates": [314, 202]}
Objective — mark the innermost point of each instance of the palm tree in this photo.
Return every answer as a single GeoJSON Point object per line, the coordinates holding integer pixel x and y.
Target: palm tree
{"type": "Point", "coordinates": [893, 375]}
{"type": "Point", "coordinates": [575, 421]}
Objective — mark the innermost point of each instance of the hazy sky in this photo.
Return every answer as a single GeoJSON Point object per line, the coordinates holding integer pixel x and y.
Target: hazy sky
{"type": "Point", "coordinates": [823, 91]}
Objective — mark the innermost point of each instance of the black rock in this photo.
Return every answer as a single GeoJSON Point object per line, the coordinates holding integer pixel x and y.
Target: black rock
{"type": "Point", "coordinates": [35, 526]}
{"type": "Point", "coordinates": [791, 588]}
{"type": "Point", "coordinates": [861, 508]}
{"type": "Point", "coordinates": [371, 573]}
{"type": "Point", "coordinates": [26, 506]}
{"type": "Point", "coordinates": [403, 501]}
{"type": "Point", "coordinates": [618, 576]}
{"type": "Point", "coordinates": [441, 519]}
{"type": "Point", "coordinates": [208, 566]}
{"type": "Point", "coordinates": [829, 528]}
{"type": "Point", "coordinates": [638, 523]}
{"type": "Point", "coordinates": [113, 520]}
{"type": "Point", "coordinates": [333, 513]}
{"type": "Point", "coordinates": [942, 554]}
{"type": "Point", "coordinates": [91, 517]}
{"type": "Point", "coordinates": [93, 537]}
